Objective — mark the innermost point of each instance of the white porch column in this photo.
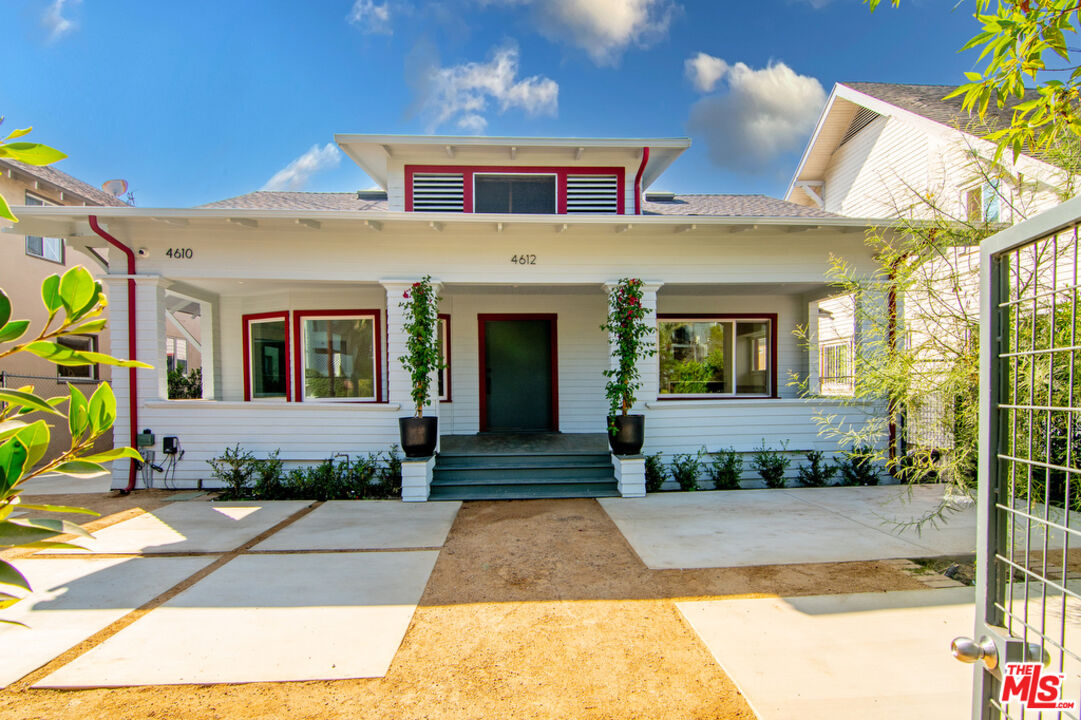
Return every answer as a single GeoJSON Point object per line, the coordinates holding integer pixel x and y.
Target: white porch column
{"type": "Point", "coordinates": [814, 372]}
{"type": "Point", "coordinates": [648, 367]}
{"type": "Point", "coordinates": [116, 289]}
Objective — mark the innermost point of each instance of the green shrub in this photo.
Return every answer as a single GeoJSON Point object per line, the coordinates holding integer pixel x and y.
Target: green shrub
{"type": "Point", "coordinates": [390, 474]}
{"type": "Point", "coordinates": [817, 472]}
{"type": "Point", "coordinates": [857, 467]}
{"type": "Point", "coordinates": [726, 469]}
{"type": "Point", "coordinates": [771, 464]}
{"type": "Point", "coordinates": [656, 473]}
{"type": "Point", "coordinates": [270, 478]}
{"type": "Point", "coordinates": [186, 387]}
{"type": "Point", "coordinates": [235, 468]}
{"type": "Point", "coordinates": [685, 470]}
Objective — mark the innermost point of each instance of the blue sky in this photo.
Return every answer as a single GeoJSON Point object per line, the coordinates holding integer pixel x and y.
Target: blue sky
{"type": "Point", "coordinates": [198, 101]}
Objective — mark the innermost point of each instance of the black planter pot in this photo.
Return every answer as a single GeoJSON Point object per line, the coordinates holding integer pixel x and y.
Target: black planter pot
{"type": "Point", "coordinates": [630, 434]}
{"type": "Point", "coordinates": [419, 435]}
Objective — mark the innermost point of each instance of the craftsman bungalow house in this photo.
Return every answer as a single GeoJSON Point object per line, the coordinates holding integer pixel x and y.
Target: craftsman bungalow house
{"type": "Point", "coordinates": [298, 298]}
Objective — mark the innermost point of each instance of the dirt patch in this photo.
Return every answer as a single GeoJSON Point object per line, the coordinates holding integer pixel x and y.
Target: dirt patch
{"type": "Point", "coordinates": [535, 609]}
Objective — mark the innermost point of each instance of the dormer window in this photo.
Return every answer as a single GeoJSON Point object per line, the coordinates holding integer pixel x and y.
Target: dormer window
{"type": "Point", "coordinates": [532, 190]}
{"type": "Point", "coordinates": [499, 193]}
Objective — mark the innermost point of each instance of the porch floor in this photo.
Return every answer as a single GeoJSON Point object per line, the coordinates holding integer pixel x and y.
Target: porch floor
{"type": "Point", "coordinates": [550, 443]}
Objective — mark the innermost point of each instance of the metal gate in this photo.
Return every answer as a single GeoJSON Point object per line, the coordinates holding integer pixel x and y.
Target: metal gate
{"type": "Point", "coordinates": [1029, 547]}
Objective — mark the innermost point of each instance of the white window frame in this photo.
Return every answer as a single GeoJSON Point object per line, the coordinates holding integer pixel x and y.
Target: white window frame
{"type": "Point", "coordinates": [993, 187]}
{"type": "Point", "coordinates": [302, 339]}
{"type": "Point", "coordinates": [731, 342]}
{"type": "Point", "coordinates": [45, 241]}
{"type": "Point", "coordinates": [554, 176]}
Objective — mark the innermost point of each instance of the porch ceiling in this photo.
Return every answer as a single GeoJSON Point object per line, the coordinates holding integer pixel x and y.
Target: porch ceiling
{"type": "Point", "coordinates": [676, 290]}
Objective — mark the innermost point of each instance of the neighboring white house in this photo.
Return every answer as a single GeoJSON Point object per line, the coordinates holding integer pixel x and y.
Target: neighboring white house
{"type": "Point", "coordinates": [298, 297]}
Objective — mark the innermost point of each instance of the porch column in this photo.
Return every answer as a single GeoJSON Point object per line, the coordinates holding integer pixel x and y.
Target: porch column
{"type": "Point", "coordinates": [648, 367]}
{"type": "Point", "coordinates": [398, 383]}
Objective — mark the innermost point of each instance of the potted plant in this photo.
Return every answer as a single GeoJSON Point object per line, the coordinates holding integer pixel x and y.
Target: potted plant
{"type": "Point", "coordinates": [420, 303]}
{"type": "Point", "coordinates": [630, 332]}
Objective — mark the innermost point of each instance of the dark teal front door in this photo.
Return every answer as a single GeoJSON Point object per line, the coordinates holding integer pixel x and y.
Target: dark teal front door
{"type": "Point", "coordinates": [517, 378]}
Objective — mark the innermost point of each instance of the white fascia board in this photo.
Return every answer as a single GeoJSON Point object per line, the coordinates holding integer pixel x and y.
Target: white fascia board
{"type": "Point", "coordinates": [58, 215]}
{"type": "Point", "coordinates": [519, 142]}
{"type": "Point", "coordinates": [811, 143]}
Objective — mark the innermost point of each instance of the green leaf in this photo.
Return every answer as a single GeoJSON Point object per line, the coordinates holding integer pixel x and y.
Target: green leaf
{"type": "Point", "coordinates": [76, 289]}
{"type": "Point", "coordinates": [57, 509]}
{"type": "Point", "coordinates": [103, 359]}
{"type": "Point", "coordinates": [10, 576]}
{"type": "Point", "coordinates": [16, 534]}
{"type": "Point", "coordinates": [114, 454]}
{"type": "Point", "coordinates": [15, 134]}
{"type": "Point", "coordinates": [12, 462]}
{"type": "Point", "coordinates": [91, 326]}
{"type": "Point", "coordinates": [10, 427]}
{"type": "Point", "coordinates": [59, 527]}
{"type": "Point", "coordinates": [27, 400]}
{"type": "Point", "coordinates": [35, 437]}
{"type": "Point", "coordinates": [78, 414]}
{"type": "Point", "coordinates": [82, 469]}
{"type": "Point", "coordinates": [50, 293]}
{"type": "Point", "coordinates": [50, 545]}
{"type": "Point", "coordinates": [5, 308]}
{"type": "Point", "coordinates": [31, 153]}
{"type": "Point", "coordinates": [13, 330]}
{"type": "Point", "coordinates": [102, 409]}
{"type": "Point", "coordinates": [59, 354]}
{"type": "Point", "coordinates": [5, 211]}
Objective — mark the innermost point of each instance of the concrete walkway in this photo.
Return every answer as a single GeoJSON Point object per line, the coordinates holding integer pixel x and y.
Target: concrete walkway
{"type": "Point", "coordinates": [743, 528]}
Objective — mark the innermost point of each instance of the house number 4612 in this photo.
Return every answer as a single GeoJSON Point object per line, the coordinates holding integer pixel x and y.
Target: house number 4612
{"type": "Point", "coordinates": [524, 259]}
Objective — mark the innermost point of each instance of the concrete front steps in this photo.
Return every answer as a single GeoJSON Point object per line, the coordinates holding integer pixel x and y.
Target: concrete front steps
{"type": "Point", "coordinates": [522, 476]}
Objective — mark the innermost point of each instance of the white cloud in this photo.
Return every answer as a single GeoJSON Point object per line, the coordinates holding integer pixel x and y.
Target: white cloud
{"type": "Point", "coordinates": [370, 17]}
{"type": "Point", "coordinates": [462, 93]}
{"type": "Point", "coordinates": [603, 28]}
{"type": "Point", "coordinates": [54, 21]}
{"type": "Point", "coordinates": [765, 114]}
{"type": "Point", "coordinates": [704, 71]}
{"type": "Point", "coordinates": [295, 175]}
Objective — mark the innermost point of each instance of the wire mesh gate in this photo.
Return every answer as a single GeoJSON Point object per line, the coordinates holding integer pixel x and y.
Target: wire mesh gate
{"type": "Point", "coordinates": [1029, 546]}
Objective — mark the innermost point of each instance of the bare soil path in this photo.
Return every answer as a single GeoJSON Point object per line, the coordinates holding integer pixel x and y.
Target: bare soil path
{"type": "Point", "coordinates": [535, 609]}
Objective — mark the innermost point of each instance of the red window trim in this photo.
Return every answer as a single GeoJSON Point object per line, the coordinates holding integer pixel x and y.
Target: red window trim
{"type": "Point", "coordinates": [445, 317]}
{"type": "Point", "coordinates": [247, 320]}
{"type": "Point", "coordinates": [560, 171]}
{"type": "Point", "coordinates": [553, 320]}
{"type": "Point", "coordinates": [377, 335]}
{"type": "Point", "coordinates": [771, 317]}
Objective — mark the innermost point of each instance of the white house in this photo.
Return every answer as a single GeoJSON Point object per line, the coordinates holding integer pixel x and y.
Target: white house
{"type": "Point", "coordinates": [298, 298]}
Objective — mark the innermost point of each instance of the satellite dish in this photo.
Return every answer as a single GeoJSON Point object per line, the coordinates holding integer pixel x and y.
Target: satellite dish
{"type": "Point", "coordinates": [116, 188]}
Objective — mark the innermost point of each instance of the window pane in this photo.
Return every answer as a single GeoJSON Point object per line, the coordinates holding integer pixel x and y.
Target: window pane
{"type": "Point", "coordinates": [694, 357]}
{"type": "Point", "coordinates": [268, 358]}
{"type": "Point", "coordinates": [339, 358]}
{"type": "Point", "coordinates": [991, 209]}
{"type": "Point", "coordinates": [752, 358]}
{"type": "Point", "coordinates": [441, 342]}
{"type": "Point", "coordinates": [515, 194]}
{"type": "Point", "coordinates": [53, 249]}
{"type": "Point", "coordinates": [82, 343]}
{"type": "Point", "coordinates": [34, 246]}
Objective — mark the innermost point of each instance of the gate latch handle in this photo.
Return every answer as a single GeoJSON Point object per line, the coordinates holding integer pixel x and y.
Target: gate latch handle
{"type": "Point", "coordinates": [968, 650]}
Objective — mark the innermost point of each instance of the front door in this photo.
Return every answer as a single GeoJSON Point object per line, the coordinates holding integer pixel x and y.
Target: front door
{"type": "Point", "coordinates": [517, 373]}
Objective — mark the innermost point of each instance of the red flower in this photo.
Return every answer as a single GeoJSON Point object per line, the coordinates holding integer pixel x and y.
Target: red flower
{"type": "Point", "coordinates": [405, 294]}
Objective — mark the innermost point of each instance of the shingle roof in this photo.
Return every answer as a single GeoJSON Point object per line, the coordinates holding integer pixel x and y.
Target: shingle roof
{"type": "Point", "coordinates": [715, 205]}
{"type": "Point", "coordinates": [65, 182]}
{"type": "Point", "coordinates": [928, 101]}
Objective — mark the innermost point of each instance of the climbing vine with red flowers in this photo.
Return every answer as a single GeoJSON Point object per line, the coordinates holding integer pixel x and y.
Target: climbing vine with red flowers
{"type": "Point", "coordinates": [631, 333]}
{"type": "Point", "coordinates": [422, 358]}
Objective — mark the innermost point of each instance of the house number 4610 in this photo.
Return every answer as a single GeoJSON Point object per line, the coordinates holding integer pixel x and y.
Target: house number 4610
{"type": "Point", "coordinates": [524, 259]}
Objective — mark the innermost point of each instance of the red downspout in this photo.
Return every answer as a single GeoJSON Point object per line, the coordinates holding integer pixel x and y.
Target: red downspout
{"type": "Point", "coordinates": [133, 400]}
{"type": "Point", "coordinates": [638, 182]}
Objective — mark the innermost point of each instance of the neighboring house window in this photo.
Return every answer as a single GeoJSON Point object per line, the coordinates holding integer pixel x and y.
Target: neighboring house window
{"type": "Point", "coordinates": [266, 356]}
{"type": "Point", "coordinates": [337, 356]}
{"type": "Point", "coordinates": [984, 203]}
{"type": "Point", "coordinates": [176, 354]}
{"type": "Point", "coordinates": [835, 369]}
{"type": "Point", "coordinates": [716, 356]}
{"type": "Point", "coordinates": [444, 352]}
{"type": "Point", "coordinates": [532, 194]}
{"type": "Point", "coordinates": [82, 343]}
{"type": "Point", "coordinates": [46, 248]}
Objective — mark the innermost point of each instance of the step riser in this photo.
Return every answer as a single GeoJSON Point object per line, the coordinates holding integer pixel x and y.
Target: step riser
{"type": "Point", "coordinates": [472, 461]}
{"type": "Point", "coordinates": [515, 492]}
{"type": "Point", "coordinates": [483, 475]}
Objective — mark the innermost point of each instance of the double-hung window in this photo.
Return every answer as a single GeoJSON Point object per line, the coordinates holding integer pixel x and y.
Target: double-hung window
{"type": "Point", "coordinates": [266, 356]}
{"type": "Point", "coordinates": [702, 357]}
{"type": "Point", "coordinates": [46, 248]}
{"type": "Point", "coordinates": [337, 356]}
{"type": "Point", "coordinates": [80, 343]}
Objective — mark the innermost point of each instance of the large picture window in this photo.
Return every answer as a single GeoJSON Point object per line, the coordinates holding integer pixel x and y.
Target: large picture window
{"type": "Point", "coordinates": [337, 356]}
{"type": "Point", "coordinates": [716, 356]}
{"type": "Point", "coordinates": [266, 356]}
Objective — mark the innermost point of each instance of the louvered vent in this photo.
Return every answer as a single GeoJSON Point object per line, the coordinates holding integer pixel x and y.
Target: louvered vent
{"type": "Point", "coordinates": [863, 118]}
{"type": "Point", "coordinates": [592, 194]}
{"type": "Point", "coordinates": [438, 192]}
